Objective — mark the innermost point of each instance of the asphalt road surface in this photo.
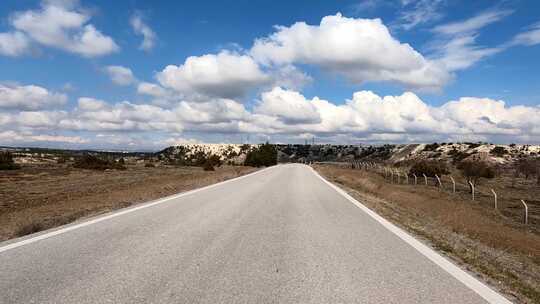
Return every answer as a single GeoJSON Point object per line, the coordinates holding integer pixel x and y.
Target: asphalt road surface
{"type": "Point", "coordinates": [282, 235]}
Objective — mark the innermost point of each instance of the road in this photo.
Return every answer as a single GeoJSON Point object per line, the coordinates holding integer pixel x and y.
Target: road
{"type": "Point", "coordinates": [281, 235]}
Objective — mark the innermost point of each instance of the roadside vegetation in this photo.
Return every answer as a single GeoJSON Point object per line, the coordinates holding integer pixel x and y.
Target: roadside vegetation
{"type": "Point", "coordinates": [93, 162]}
{"type": "Point", "coordinates": [264, 155]}
{"type": "Point", "coordinates": [6, 161]}
{"type": "Point", "coordinates": [430, 168]}
{"type": "Point", "coordinates": [45, 188]}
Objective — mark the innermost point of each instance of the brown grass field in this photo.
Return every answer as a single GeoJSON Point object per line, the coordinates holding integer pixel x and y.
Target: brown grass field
{"type": "Point", "coordinates": [38, 197]}
{"type": "Point", "coordinates": [493, 244]}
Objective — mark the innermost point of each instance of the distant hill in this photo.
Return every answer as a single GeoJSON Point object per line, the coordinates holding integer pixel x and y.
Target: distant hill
{"type": "Point", "coordinates": [450, 152]}
{"type": "Point", "coordinates": [192, 154]}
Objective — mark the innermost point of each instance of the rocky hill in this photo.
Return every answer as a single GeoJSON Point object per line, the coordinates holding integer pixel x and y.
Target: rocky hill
{"type": "Point", "coordinates": [193, 153]}
{"type": "Point", "coordinates": [450, 152]}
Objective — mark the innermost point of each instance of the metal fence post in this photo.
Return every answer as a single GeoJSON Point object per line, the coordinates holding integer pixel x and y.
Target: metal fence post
{"type": "Point", "coordinates": [472, 189]}
{"type": "Point", "coordinates": [415, 179]}
{"type": "Point", "coordinates": [495, 197]}
{"type": "Point", "coordinates": [526, 212]}
{"type": "Point", "coordinates": [453, 184]}
{"type": "Point", "coordinates": [439, 180]}
{"type": "Point", "coordinates": [425, 178]}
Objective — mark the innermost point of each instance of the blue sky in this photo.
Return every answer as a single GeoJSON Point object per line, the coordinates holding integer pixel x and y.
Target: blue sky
{"type": "Point", "coordinates": [144, 75]}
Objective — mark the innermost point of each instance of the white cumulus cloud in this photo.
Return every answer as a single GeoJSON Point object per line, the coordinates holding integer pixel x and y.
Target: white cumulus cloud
{"type": "Point", "coordinates": [360, 49]}
{"type": "Point", "coordinates": [13, 44]}
{"type": "Point", "coordinates": [58, 24]}
{"type": "Point", "coordinates": [120, 75]}
{"type": "Point", "coordinates": [29, 97]}
{"type": "Point", "coordinates": [225, 75]}
{"type": "Point", "coordinates": [289, 106]}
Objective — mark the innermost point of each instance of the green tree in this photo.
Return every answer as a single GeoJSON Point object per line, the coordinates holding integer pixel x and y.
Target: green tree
{"type": "Point", "coordinates": [6, 161]}
{"type": "Point", "coordinates": [474, 170]}
{"type": "Point", "coordinates": [429, 168]}
{"type": "Point", "coordinates": [264, 155]}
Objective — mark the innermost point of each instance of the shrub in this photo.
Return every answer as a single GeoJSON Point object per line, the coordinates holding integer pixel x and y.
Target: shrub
{"type": "Point", "coordinates": [264, 155]}
{"type": "Point", "coordinates": [29, 228]}
{"type": "Point", "coordinates": [210, 162]}
{"type": "Point", "coordinates": [6, 161]}
{"type": "Point", "coordinates": [431, 147]}
{"type": "Point", "coordinates": [429, 168]}
{"type": "Point", "coordinates": [498, 151]}
{"type": "Point", "coordinates": [474, 170]}
{"type": "Point", "coordinates": [527, 167]}
{"type": "Point", "coordinates": [208, 166]}
{"type": "Point", "coordinates": [473, 145]}
{"type": "Point", "coordinates": [95, 163]}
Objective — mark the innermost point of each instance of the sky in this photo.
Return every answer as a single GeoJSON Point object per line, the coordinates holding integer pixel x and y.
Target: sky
{"type": "Point", "coordinates": [144, 75]}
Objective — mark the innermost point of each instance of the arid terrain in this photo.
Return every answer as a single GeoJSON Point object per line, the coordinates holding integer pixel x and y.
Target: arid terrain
{"type": "Point", "coordinates": [41, 189]}
{"type": "Point", "coordinates": [494, 244]}
{"type": "Point", "coordinates": [41, 196]}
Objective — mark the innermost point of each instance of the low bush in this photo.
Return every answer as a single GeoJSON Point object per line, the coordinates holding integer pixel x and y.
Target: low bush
{"type": "Point", "coordinates": [95, 163]}
{"type": "Point", "coordinates": [429, 168]}
{"type": "Point", "coordinates": [499, 151]}
{"type": "Point", "coordinates": [29, 229]}
{"type": "Point", "coordinates": [474, 170]}
{"type": "Point", "coordinates": [431, 147]}
{"type": "Point", "coordinates": [473, 145]}
{"type": "Point", "coordinates": [527, 167]}
{"type": "Point", "coordinates": [6, 161]}
{"type": "Point", "coordinates": [210, 162]}
{"type": "Point", "coordinates": [457, 155]}
{"type": "Point", "coordinates": [208, 166]}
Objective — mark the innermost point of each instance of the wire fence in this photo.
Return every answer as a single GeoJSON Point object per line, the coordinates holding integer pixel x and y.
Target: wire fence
{"type": "Point", "coordinates": [524, 209]}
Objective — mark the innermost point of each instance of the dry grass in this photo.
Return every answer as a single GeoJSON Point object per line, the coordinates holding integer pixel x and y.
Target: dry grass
{"type": "Point", "coordinates": [35, 198]}
{"type": "Point", "coordinates": [504, 252]}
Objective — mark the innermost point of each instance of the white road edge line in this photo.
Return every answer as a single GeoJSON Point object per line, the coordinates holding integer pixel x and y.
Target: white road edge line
{"type": "Point", "coordinates": [480, 288]}
{"type": "Point", "coordinates": [71, 227]}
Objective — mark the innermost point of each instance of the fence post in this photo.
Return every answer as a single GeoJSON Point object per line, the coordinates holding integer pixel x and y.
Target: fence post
{"type": "Point", "coordinates": [526, 212]}
{"type": "Point", "coordinates": [425, 178]}
{"type": "Point", "coordinates": [495, 197]}
{"type": "Point", "coordinates": [391, 176]}
{"type": "Point", "coordinates": [397, 173]}
{"type": "Point", "coordinates": [439, 180]}
{"type": "Point", "coordinates": [407, 178]}
{"type": "Point", "coordinates": [472, 189]}
{"type": "Point", "coordinates": [415, 179]}
{"type": "Point", "coordinates": [453, 184]}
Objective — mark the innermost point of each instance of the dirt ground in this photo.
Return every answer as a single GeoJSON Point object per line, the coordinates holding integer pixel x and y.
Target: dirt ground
{"type": "Point", "coordinates": [37, 197]}
{"type": "Point", "coordinates": [492, 244]}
